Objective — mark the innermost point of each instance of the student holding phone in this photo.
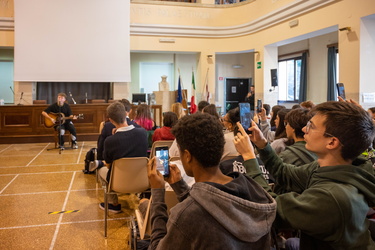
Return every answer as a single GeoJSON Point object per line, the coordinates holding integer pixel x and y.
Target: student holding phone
{"type": "Point", "coordinates": [328, 199]}
{"type": "Point", "coordinates": [201, 220]}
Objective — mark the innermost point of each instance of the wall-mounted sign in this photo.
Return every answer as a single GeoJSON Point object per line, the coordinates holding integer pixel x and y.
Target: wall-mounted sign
{"type": "Point", "coordinates": [259, 65]}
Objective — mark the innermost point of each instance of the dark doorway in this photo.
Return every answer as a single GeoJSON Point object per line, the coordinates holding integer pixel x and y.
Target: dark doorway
{"type": "Point", "coordinates": [236, 90]}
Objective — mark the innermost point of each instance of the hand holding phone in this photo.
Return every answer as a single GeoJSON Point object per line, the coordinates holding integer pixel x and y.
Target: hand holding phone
{"type": "Point", "coordinates": [259, 106]}
{"type": "Point", "coordinates": [245, 116]}
{"type": "Point", "coordinates": [162, 160]}
{"type": "Point", "coordinates": [341, 90]}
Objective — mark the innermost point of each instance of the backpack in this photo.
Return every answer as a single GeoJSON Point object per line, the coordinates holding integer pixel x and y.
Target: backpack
{"type": "Point", "coordinates": [90, 156]}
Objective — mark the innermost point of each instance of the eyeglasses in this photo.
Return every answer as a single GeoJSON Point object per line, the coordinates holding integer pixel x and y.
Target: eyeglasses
{"type": "Point", "coordinates": [308, 127]}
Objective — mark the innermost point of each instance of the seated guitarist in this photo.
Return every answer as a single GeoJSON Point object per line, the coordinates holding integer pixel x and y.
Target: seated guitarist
{"type": "Point", "coordinates": [66, 124]}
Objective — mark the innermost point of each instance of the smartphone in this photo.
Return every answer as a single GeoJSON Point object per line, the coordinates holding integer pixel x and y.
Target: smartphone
{"type": "Point", "coordinates": [259, 105]}
{"type": "Point", "coordinates": [341, 90]}
{"type": "Point", "coordinates": [245, 115]}
{"type": "Point", "coordinates": [162, 160]}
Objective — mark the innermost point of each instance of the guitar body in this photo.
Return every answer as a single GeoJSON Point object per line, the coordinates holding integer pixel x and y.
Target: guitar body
{"type": "Point", "coordinates": [57, 117]}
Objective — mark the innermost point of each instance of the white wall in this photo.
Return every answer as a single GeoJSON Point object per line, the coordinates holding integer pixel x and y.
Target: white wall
{"type": "Point", "coordinates": [367, 55]}
{"type": "Point", "coordinates": [224, 69]}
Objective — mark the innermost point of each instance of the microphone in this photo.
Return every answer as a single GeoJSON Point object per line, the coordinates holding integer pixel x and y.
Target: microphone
{"type": "Point", "coordinates": [71, 96]}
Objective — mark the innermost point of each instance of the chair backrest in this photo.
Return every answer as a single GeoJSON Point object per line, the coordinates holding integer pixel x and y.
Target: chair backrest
{"type": "Point", "coordinates": [39, 101]}
{"type": "Point", "coordinates": [129, 175]}
{"type": "Point", "coordinates": [101, 126]}
{"type": "Point", "coordinates": [97, 101]}
{"type": "Point", "coordinates": [167, 143]}
{"type": "Point", "coordinates": [228, 157]}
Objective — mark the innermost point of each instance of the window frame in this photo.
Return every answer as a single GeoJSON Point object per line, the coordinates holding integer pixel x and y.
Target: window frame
{"type": "Point", "coordinates": [296, 94]}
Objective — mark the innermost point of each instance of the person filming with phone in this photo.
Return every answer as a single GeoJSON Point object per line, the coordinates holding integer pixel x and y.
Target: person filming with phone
{"type": "Point", "coordinates": [219, 211]}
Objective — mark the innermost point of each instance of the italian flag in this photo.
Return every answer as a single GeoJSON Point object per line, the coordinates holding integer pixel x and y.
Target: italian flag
{"type": "Point", "coordinates": [193, 106]}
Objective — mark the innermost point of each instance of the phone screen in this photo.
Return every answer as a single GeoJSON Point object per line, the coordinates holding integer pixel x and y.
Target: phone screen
{"type": "Point", "coordinates": [341, 90]}
{"type": "Point", "coordinates": [259, 105]}
{"type": "Point", "coordinates": [245, 115]}
{"type": "Point", "coordinates": [162, 160]}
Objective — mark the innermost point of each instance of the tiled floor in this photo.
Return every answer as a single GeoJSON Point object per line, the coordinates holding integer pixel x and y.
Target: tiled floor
{"type": "Point", "coordinates": [35, 181]}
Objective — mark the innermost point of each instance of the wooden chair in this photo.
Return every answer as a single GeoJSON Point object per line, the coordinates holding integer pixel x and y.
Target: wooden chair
{"type": "Point", "coordinates": [144, 222]}
{"type": "Point", "coordinates": [56, 137]}
{"type": "Point", "coordinates": [128, 175]}
{"type": "Point", "coordinates": [166, 143]}
{"type": "Point", "coordinates": [39, 101]}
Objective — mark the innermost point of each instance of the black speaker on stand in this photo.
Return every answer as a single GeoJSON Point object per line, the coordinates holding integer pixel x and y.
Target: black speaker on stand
{"type": "Point", "coordinates": [274, 78]}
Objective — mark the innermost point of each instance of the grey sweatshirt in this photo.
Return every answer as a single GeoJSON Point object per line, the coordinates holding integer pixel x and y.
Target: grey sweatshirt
{"type": "Point", "coordinates": [237, 215]}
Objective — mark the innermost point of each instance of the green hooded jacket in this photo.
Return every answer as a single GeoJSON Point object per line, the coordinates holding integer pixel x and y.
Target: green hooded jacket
{"type": "Point", "coordinates": [328, 204]}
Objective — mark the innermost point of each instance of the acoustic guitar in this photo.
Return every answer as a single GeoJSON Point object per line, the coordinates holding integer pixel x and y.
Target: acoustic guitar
{"type": "Point", "coordinates": [58, 117]}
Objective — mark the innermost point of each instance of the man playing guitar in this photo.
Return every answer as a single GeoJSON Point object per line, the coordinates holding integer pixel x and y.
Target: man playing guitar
{"type": "Point", "coordinates": [62, 108]}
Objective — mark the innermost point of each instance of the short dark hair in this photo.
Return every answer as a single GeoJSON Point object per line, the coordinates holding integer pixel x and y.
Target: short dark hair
{"type": "Point", "coordinates": [169, 119]}
{"type": "Point", "coordinates": [372, 109]}
{"type": "Point", "coordinates": [296, 106]}
{"type": "Point", "coordinates": [202, 135]}
{"type": "Point", "coordinates": [116, 111]}
{"type": "Point", "coordinates": [351, 124]}
{"type": "Point", "coordinates": [307, 104]}
{"type": "Point", "coordinates": [62, 94]}
{"type": "Point", "coordinates": [211, 109]}
{"type": "Point", "coordinates": [267, 107]}
{"type": "Point", "coordinates": [297, 119]}
{"type": "Point", "coordinates": [127, 104]}
{"type": "Point", "coordinates": [202, 104]}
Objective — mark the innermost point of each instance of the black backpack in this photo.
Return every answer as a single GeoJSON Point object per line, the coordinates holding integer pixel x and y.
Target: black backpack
{"type": "Point", "coordinates": [90, 156]}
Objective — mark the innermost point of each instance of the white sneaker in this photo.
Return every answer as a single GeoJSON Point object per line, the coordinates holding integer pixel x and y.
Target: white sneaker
{"type": "Point", "coordinates": [74, 145]}
{"type": "Point", "coordinates": [93, 165]}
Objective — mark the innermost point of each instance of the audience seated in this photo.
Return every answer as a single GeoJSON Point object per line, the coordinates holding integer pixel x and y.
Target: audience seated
{"type": "Point", "coordinates": [202, 104]}
{"type": "Point", "coordinates": [278, 138]}
{"type": "Point", "coordinates": [127, 141]}
{"type": "Point", "coordinates": [143, 117]}
{"type": "Point", "coordinates": [230, 123]}
{"type": "Point", "coordinates": [330, 197]}
{"type": "Point", "coordinates": [108, 130]}
{"type": "Point", "coordinates": [164, 133]}
{"type": "Point", "coordinates": [211, 109]}
{"type": "Point", "coordinates": [178, 109]}
{"type": "Point", "coordinates": [307, 105]}
{"type": "Point", "coordinates": [201, 220]}
{"type": "Point", "coordinates": [273, 115]}
{"type": "Point", "coordinates": [296, 154]}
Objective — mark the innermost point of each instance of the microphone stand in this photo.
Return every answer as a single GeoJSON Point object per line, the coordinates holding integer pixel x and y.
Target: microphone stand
{"type": "Point", "coordinates": [60, 135]}
{"type": "Point", "coordinates": [71, 96]}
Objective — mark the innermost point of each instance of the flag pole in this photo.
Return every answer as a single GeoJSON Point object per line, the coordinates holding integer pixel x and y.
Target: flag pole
{"type": "Point", "coordinates": [205, 83]}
